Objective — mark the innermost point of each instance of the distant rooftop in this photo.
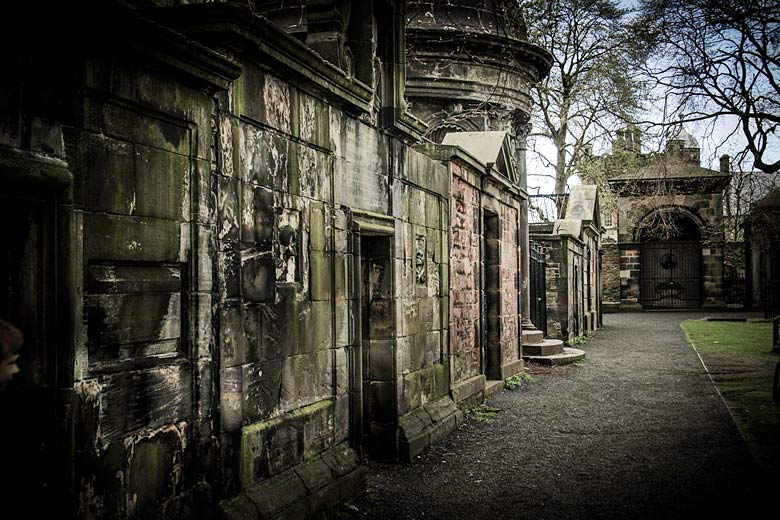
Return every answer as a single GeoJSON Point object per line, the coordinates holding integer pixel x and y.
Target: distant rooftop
{"type": "Point", "coordinates": [682, 135]}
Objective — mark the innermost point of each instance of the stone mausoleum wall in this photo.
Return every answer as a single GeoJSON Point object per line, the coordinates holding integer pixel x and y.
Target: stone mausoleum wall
{"type": "Point", "coordinates": [484, 271]}
{"type": "Point", "coordinates": [232, 261]}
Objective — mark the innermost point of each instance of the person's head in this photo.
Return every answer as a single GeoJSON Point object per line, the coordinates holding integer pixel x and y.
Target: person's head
{"type": "Point", "coordinates": [10, 344]}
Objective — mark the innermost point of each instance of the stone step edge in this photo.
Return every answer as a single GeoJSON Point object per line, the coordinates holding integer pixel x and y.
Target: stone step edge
{"type": "Point", "coordinates": [569, 355]}
{"type": "Point", "coordinates": [547, 347]}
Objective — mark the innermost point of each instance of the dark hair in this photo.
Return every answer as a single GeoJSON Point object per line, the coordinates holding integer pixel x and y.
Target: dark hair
{"type": "Point", "coordinates": [11, 339]}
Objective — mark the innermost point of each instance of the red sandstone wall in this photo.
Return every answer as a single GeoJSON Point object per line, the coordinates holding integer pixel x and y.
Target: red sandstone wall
{"type": "Point", "coordinates": [509, 291]}
{"type": "Point", "coordinates": [464, 304]}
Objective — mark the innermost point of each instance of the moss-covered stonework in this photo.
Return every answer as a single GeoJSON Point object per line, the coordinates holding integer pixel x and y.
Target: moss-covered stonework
{"type": "Point", "coordinates": [245, 259]}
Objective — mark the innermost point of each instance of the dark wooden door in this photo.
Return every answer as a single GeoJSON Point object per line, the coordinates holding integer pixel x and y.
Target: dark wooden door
{"type": "Point", "coordinates": [29, 421]}
{"type": "Point", "coordinates": [670, 275]}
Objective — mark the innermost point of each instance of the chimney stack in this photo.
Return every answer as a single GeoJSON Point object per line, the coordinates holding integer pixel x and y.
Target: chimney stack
{"type": "Point", "coordinates": [725, 163]}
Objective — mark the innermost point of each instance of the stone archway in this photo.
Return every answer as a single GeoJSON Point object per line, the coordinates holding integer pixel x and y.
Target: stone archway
{"type": "Point", "coordinates": [671, 274]}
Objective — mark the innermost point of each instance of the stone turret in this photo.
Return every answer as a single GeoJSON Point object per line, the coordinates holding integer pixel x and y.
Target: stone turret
{"type": "Point", "coordinates": [683, 147]}
{"type": "Point", "coordinates": [470, 66]}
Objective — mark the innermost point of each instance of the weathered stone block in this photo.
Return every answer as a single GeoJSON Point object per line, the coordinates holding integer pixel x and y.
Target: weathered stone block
{"type": "Point", "coordinates": [326, 498]}
{"type": "Point", "coordinates": [341, 459]}
{"type": "Point", "coordinates": [130, 238]}
{"type": "Point", "coordinates": [234, 346]}
{"type": "Point", "coordinates": [264, 157]}
{"type": "Point", "coordinates": [149, 398]}
{"type": "Point", "coordinates": [262, 387]}
{"type": "Point", "coordinates": [124, 123]}
{"type": "Point", "coordinates": [315, 474]}
{"type": "Point", "coordinates": [152, 473]}
{"type": "Point", "coordinates": [411, 447]}
{"type": "Point", "coordinates": [381, 402]}
{"type": "Point", "coordinates": [238, 508]}
{"type": "Point", "coordinates": [411, 390]}
{"type": "Point", "coordinates": [228, 210]}
{"type": "Point", "coordinates": [320, 275]}
{"type": "Point", "coordinates": [229, 274]}
{"type": "Point", "coordinates": [341, 420]}
{"type": "Point", "coordinates": [277, 101]}
{"type": "Point", "coordinates": [381, 359]}
{"type": "Point", "coordinates": [258, 276]}
{"type": "Point", "coordinates": [103, 173]}
{"type": "Point", "coordinates": [442, 429]}
{"type": "Point", "coordinates": [343, 317]}
{"type": "Point", "coordinates": [441, 380]}
{"type": "Point", "coordinates": [277, 494]}
{"type": "Point", "coordinates": [440, 409]}
{"type": "Point", "coordinates": [381, 320]}
{"type": "Point", "coordinates": [231, 397]}
{"type": "Point", "coordinates": [417, 351]}
{"type": "Point", "coordinates": [162, 182]}
{"type": "Point", "coordinates": [315, 324]}
{"type": "Point", "coordinates": [305, 378]}
{"type": "Point", "coordinates": [317, 428]}
{"type": "Point", "coordinates": [258, 216]}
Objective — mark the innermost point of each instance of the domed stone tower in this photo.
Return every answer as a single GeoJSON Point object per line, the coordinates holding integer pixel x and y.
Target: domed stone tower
{"type": "Point", "coordinates": [470, 68]}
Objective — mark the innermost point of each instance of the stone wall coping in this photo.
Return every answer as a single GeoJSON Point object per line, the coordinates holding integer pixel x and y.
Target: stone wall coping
{"type": "Point", "coordinates": [164, 45]}
{"type": "Point", "coordinates": [28, 168]}
{"type": "Point", "coordinates": [455, 153]}
{"type": "Point", "coordinates": [245, 32]}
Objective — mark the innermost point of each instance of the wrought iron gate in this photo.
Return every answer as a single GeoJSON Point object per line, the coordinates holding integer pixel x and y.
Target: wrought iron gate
{"type": "Point", "coordinates": [670, 275]}
{"type": "Point", "coordinates": [538, 275]}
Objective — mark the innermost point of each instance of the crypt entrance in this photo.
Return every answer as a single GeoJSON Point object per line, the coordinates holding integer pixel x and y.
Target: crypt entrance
{"type": "Point", "coordinates": [670, 261]}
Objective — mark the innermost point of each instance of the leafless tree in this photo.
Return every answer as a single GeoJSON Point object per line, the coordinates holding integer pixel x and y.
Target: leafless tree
{"type": "Point", "coordinates": [716, 58]}
{"type": "Point", "coordinates": [592, 88]}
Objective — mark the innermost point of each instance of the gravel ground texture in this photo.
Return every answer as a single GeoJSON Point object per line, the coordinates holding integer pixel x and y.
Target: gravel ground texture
{"type": "Point", "coordinates": [636, 430]}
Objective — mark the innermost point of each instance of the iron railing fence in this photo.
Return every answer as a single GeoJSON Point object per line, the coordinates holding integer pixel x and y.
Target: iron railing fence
{"type": "Point", "coordinates": [538, 275]}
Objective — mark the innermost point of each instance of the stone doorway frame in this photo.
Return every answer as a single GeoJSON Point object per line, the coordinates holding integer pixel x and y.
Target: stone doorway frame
{"type": "Point", "coordinates": [369, 227]}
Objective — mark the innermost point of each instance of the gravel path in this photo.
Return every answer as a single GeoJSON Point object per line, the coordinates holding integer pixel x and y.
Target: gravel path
{"type": "Point", "coordinates": [637, 430]}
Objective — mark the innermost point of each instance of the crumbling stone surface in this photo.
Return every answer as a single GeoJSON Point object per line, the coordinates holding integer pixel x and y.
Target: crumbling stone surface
{"type": "Point", "coordinates": [326, 480]}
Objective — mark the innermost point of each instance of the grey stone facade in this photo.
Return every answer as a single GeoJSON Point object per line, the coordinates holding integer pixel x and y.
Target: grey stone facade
{"type": "Point", "coordinates": [669, 200]}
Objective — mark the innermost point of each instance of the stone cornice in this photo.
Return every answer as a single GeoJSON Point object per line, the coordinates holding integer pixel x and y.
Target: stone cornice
{"type": "Point", "coordinates": [406, 126]}
{"type": "Point", "coordinates": [673, 186]}
{"type": "Point", "coordinates": [23, 168]}
{"type": "Point", "coordinates": [237, 28]}
{"type": "Point", "coordinates": [130, 31]}
{"type": "Point", "coordinates": [529, 58]}
{"type": "Point", "coordinates": [446, 153]}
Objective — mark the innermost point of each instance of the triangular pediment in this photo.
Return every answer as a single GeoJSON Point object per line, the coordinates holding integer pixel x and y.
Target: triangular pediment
{"type": "Point", "coordinates": [494, 149]}
{"type": "Point", "coordinates": [583, 204]}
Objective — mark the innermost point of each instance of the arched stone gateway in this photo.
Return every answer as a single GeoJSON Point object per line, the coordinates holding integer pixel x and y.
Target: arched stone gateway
{"type": "Point", "coordinates": [667, 248]}
{"type": "Point", "coordinates": [670, 260]}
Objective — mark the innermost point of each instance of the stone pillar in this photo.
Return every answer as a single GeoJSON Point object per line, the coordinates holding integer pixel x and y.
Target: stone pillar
{"type": "Point", "coordinates": [522, 132]}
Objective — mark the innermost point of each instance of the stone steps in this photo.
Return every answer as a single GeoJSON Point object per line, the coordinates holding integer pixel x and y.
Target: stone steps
{"type": "Point", "coordinates": [547, 347]}
{"type": "Point", "coordinates": [493, 387]}
{"type": "Point", "coordinates": [532, 336]}
{"type": "Point", "coordinates": [569, 355]}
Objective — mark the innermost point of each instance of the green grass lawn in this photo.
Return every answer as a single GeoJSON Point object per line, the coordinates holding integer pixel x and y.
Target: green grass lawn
{"type": "Point", "coordinates": [737, 355]}
{"type": "Point", "coordinates": [730, 337]}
